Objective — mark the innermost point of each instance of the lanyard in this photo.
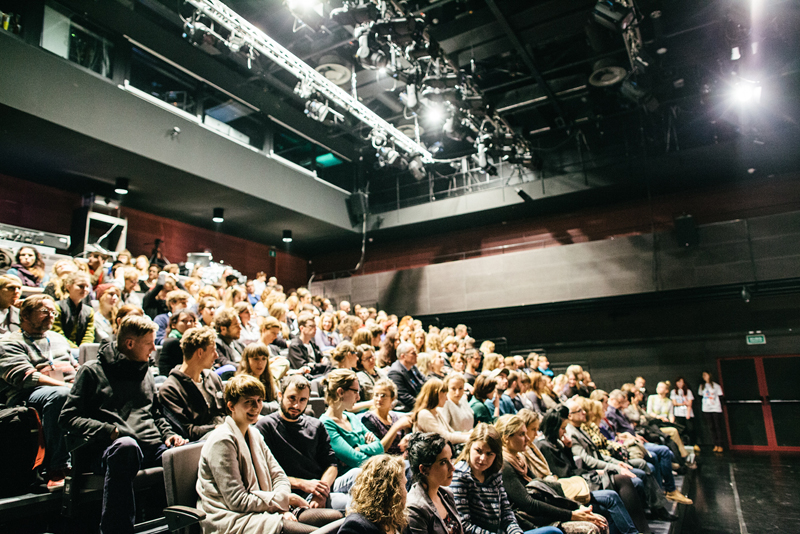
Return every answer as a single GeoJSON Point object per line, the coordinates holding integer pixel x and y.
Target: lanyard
{"type": "Point", "coordinates": [49, 357]}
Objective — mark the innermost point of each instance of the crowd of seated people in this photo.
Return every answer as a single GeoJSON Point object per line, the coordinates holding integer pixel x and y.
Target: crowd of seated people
{"type": "Point", "coordinates": [487, 443]}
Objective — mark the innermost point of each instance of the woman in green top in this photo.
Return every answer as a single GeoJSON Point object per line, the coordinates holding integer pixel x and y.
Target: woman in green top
{"type": "Point", "coordinates": [350, 440]}
{"type": "Point", "coordinates": [485, 388]}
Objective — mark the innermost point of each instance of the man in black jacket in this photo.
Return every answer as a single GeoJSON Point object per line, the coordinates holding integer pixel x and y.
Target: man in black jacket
{"type": "Point", "coordinates": [406, 377]}
{"type": "Point", "coordinates": [303, 352]}
{"type": "Point", "coordinates": [192, 395]}
{"type": "Point", "coordinates": [229, 329]}
{"type": "Point", "coordinates": [113, 410]}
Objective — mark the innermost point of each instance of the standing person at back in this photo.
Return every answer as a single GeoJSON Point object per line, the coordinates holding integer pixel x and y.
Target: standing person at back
{"type": "Point", "coordinates": [113, 410]}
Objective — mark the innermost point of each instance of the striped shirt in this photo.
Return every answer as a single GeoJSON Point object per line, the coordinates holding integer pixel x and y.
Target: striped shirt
{"type": "Point", "coordinates": [483, 507]}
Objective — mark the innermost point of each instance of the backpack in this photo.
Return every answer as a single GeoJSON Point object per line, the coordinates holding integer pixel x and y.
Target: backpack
{"type": "Point", "coordinates": [22, 444]}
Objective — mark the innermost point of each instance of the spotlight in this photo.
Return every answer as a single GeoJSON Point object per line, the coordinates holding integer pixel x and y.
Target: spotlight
{"type": "Point", "coordinates": [417, 168]}
{"type": "Point", "coordinates": [612, 15]}
{"type": "Point", "coordinates": [287, 236]}
{"type": "Point", "coordinates": [121, 186]}
{"type": "Point", "coordinates": [744, 92]}
{"type": "Point", "coordinates": [316, 110]}
{"type": "Point", "coordinates": [219, 215]}
{"type": "Point", "coordinates": [389, 154]}
{"type": "Point", "coordinates": [355, 15]}
{"type": "Point", "coordinates": [435, 114]}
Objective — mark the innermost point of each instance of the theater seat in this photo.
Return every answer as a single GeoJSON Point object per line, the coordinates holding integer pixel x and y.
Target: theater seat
{"type": "Point", "coordinates": [88, 352]}
{"type": "Point", "coordinates": [180, 477]}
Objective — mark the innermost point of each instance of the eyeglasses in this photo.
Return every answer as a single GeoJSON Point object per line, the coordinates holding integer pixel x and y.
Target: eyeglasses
{"type": "Point", "coordinates": [45, 311]}
{"type": "Point", "coordinates": [354, 390]}
{"type": "Point", "coordinates": [581, 410]}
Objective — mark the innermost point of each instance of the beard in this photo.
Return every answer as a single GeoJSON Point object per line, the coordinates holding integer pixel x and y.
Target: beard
{"type": "Point", "coordinates": [288, 415]}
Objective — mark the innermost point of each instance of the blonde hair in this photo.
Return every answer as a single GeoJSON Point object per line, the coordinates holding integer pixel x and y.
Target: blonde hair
{"type": "Point", "coordinates": [433, 342]}
{"type": "Point", "coordinates": [385, 383]}
{"type": "Point", "coordinates": [487, 347]}
{"type": "Point", "coordinates": [491, 362]}
{"type": "Point", "coordinates": [423, 361]}
{"type": "Point", "coordinates": [508, 425]}
{"type": "Point", "coordinates": [338, 378]}
{"type": "Point", "coordinates": [379, 493]}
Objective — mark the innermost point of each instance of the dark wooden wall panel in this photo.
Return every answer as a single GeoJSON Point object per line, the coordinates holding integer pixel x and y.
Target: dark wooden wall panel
{"type": "Point", "coordinates": [751, 198]}
{"type": "Point", "coordinates": [30, 205]}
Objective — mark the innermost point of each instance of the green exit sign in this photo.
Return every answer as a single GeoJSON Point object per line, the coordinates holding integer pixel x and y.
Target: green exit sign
{"type": "Point", "coordinates": [272, 254]}
{"type": "Point", "coordinates": [757, 339]}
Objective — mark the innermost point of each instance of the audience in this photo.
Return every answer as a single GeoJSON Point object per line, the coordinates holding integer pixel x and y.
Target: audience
{"type": "Point", "coordinates": [477, 403]}
{"type": "Point", "coordinates": [302, 447]}
{"type": "Point", "coordinates": [10, 291]}
{"type": "Point", "coordinates": [229, 351]}
{"type": "Point", "coordinates": [457, 411]}
{"type": "Point", "coordinates": [568, 515]}
{"type": "Point", "coordinates": [240, 485]}
{"type": "Point", "coordinates": [303, 351]}
{"type": "Point", "coordinates": [477, 485]}
{"type": "Point", "coordinates": [28, 266]}
{"type": "Point", "coordinates": [112, 410]}
{"type": "Point", "coordinates": [255, 362]}
{"type": "Point", "coordinates": [171, 352]}
{"type": "Point", "coordinates": [615, 487]}
{"type": "Point", "coordinates": [428, 417]}
{"type": "Point", "coordinates": [74, 318]}
{"type": "Point", "coordinates": [430, 504]}
{"type": "Point", "coordinates": [36, 368]}
{"type": "Point", "coordinates": [378, 498]}
{"type": "Point", "coordinates": [176, 300]}
{"type": "Point", "coordinates": [350, 439]}
{"type": "Point", "coordinates": [191, 396]}
{"type": "Point", "coordinates": [405, 375]}
{"type": "Point", "coordinates": [380, 420]}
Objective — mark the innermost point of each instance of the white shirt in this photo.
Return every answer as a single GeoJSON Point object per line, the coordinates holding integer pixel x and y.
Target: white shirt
{"type": "Point", "coordinates": [711, 394]}
{"type": "Point", "coordinates": [682, 411]}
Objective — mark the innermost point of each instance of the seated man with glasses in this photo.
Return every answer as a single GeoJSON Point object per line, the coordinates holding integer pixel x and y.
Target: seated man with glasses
{"type": "Point", "coordinates": [35, 368]}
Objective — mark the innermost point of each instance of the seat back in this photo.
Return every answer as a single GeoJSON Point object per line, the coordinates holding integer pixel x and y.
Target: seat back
{"type": "Point", "coordinates": [88, 352]}
{"type": "Point", "coordinates": [180, 474]}
{"type": "Point", "coordinates": [317, 406]}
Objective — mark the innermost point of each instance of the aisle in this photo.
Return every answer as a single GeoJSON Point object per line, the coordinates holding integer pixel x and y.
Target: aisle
{"type": "Point", "coordinates": [741, 494]}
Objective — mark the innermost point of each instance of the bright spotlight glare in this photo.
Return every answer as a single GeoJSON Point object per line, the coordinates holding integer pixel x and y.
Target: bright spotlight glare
{"type": "Point", "coordinates": [301, 5]}
{"type": "Point", "coordinates": [435, 114]}
{"type": "Point", "coordinates": [744, 92]}
{"type": "Point", "coordinates": [735, 54]}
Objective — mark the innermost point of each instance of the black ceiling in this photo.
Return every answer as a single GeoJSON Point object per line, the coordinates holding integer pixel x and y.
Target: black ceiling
{"type": "Point", "coordinates": [531, 61]}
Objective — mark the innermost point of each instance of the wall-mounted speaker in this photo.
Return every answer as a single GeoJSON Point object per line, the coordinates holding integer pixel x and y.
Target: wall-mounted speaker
{"type": "Point", "coordinates": [686, 231]}
{"type": "Point", "coordinates": [357, 207]}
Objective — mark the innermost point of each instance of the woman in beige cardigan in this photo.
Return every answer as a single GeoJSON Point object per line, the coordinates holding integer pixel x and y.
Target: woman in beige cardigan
{"type": "Point", "coordinates": [427, 415]}
{"type": "Point", "coordinates": [240, 485]}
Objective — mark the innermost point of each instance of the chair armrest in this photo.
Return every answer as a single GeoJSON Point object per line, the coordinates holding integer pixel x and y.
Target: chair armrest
{"type": "Point", "coordinates": [179, 517]}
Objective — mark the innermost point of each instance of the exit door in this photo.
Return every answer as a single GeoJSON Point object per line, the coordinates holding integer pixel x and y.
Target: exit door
{"type": "Point", "coordinates": [762, 402]}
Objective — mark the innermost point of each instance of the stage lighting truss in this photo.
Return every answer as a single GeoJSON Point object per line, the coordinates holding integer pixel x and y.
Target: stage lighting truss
{"type": "Point", "coordinates": [213, 18]}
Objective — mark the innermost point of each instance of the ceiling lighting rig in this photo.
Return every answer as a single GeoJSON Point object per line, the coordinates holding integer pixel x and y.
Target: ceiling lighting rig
{"type": "Point", "coordinates": [214, 24]}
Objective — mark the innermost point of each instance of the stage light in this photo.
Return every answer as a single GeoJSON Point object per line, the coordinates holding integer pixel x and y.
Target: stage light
{"type": "Point", "coordinates": [613, 15]}
{"type": "Point", "coordinates": [435, 114]}
{"type": "Point", "coordinates": [417, 168]}
{"type": "Point", "coordinates": [735, 54]}
{"type": "Point", "coordinates": [219, 215]}
{"type": "Point", "coordinates": [121, 186]}
{"type": "Point", "coordinates": [287, 236]}
{"type": "Point", "coordinates": [744, 92]}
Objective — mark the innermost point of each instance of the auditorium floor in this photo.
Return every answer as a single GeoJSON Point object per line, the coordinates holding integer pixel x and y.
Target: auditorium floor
{"type": "Point", "coordinates": [767, 488]}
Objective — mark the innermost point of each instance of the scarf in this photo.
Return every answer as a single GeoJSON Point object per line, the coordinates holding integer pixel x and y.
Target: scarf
{"type": "Point", "coordinates": [537, 462]}
{"type": "Point", "coordinates": [175, 333]}
{"type": "Point", "coordinates": [517, 461]}
{"type": "Point", "coordinates": [28, 278]}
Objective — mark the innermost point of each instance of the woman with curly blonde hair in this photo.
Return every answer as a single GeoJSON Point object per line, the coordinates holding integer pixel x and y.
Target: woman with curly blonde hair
{"type": "Point", "coordinates": [378, 504]}
{"type": "Point", "coordinates": [492, 361]}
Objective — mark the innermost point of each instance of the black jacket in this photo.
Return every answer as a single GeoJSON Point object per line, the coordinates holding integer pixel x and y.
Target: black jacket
{"type": "Point", "coordinates": [299, 356]}
{"type": "Point", "coordinates": [185, 406]}
{"type": "Point", "coordinates": [422, 515]}
{"type": "Point", "coordinates": [408, 385]}
{"type": "Point", "coordinates": [542, 512]}
{"type": "Point", "coordinates": [358, 524]}
{"type": "Point", "coordinates": [110, 392]}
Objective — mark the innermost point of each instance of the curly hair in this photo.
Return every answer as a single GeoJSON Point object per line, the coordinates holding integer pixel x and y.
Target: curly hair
{"type": "Point", "coordinates": [379, 493]}
{"type": "Point", "coordinates": [423, 448]}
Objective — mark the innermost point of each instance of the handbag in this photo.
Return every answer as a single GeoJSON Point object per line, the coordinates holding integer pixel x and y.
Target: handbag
{"type": "Point", "coordinates": [545, 492]}
{"type": "Point", "coordinates": [576, 488]}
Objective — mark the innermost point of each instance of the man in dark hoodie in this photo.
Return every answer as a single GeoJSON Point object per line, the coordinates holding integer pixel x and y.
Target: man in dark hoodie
{"type": "Point", "coordinates": [113, 409]}
{"type": "Point", "coordinates": [192, 395]}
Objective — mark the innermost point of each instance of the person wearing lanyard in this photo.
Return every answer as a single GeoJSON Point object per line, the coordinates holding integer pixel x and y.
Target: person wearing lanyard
{"type": "Point", "coordinates": [35, 368]}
